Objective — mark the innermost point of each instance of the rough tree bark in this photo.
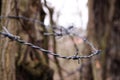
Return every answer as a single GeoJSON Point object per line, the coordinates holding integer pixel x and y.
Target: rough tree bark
{"type": "Point", "coordinates": [104, 30]}
{"type": "Point", "coordinates": [30, 64]}
{"type": "Point", "coordinates": [34, 64]}
{"type": "Point", "coordinates": [8, 49]}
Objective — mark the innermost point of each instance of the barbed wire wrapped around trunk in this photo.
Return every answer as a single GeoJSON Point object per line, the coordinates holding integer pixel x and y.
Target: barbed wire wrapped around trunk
{"type": "Point", "coordinates": [6, 33]}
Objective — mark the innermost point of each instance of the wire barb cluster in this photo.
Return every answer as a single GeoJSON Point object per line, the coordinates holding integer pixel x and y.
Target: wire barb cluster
{"type": "Point", "coordinates": [6, 33]}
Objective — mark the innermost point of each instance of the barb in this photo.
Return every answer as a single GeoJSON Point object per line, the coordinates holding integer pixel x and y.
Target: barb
{"type": "Point", "coordinates": [6, 33]}
{"type": "Point", "coordinates": [60, 31]}
{"type": "Point", "coordinates": [72, 31]}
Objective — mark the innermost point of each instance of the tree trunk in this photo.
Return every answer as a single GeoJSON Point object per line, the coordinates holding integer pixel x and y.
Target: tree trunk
{"type": "Point", "coordinates": [34, 64]}
{"type": "Point", "coordinates": [30, 64]}
{"type": "Point", "coordinates": [104, 30]}
{"type": "Point", "coordinates": [53, 39]}
{"type": "Point", "coordinates": [8, 49]}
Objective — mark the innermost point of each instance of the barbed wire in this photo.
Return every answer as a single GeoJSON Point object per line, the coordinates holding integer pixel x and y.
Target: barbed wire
{"type": "Point", "coordinates": [71, 31]}
{"type": "Point", "coordinates": [25, 18]}
{"type": "Point", "coordinates": [6, 33]}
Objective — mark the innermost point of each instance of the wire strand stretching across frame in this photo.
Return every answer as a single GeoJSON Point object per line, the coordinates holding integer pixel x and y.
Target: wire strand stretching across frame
{"type": "Point", "coordinates": [6, 33]}
{"type": "Point", "coordinates": [24, 18]}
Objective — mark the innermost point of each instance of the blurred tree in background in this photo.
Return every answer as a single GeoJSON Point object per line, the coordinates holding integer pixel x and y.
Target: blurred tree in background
{"type": "Point", "coordinates": [104, 30]}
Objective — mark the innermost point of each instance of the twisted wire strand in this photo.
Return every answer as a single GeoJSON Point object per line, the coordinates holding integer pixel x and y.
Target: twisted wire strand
{"type": "Point", "coordinates": [24, 18]}
{"type": "Point", "coordinates": [68, 32]}
{"type": "Point", "coordinates": [6, 33]}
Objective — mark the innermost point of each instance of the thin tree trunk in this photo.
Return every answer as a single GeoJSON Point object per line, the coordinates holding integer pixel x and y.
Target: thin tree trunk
{"type": "Point", "coordinates": [51, 12]}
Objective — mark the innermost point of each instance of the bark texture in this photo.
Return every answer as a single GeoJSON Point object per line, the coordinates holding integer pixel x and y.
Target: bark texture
{"type": "Point", "coordinates": [104, 31]}
{"type": "Point", "coordinates": [17, 61]}
{"type": "Point", "coordinates": [34, 63]}
{"type": "Point", "coordinates": [8, 49]}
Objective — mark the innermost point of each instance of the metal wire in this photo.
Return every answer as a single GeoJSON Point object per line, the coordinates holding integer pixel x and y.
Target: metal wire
{"type": "Point", "coordinates": [6, 33]}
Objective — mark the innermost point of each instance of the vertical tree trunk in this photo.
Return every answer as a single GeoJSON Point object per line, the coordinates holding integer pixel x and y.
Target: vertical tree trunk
{"type": "Point", "coordinates": [7, 48]}
{"type": "Point", "coordinates": [0, 6]}
{"type": "Point", "coordinates": [52, 38]}
{"type": "Point", "coordinates": [104, 30]}
{"type": "Point", "coordinates": [34, 63]}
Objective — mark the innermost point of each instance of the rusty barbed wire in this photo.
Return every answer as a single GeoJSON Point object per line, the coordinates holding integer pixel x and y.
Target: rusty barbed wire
{"type": "Point", "coordinates": [6, 33]}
